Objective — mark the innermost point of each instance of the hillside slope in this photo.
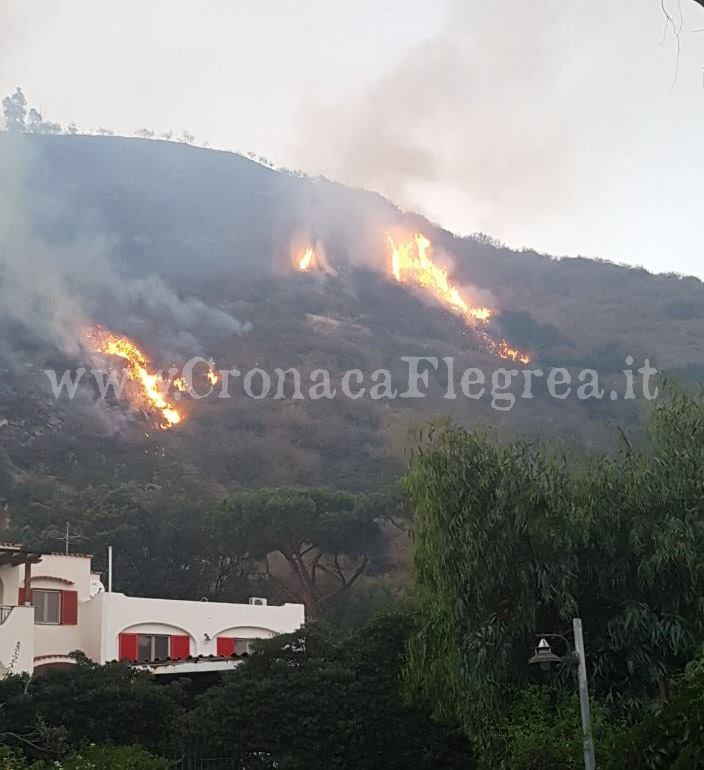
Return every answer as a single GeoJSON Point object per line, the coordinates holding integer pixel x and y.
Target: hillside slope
{"type": "Point", "coordinates": [189, 252]}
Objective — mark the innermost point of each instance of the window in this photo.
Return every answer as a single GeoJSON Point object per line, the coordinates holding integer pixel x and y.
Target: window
{"type": "Point", "coordinates": [47, 606]}
{"type": "Point", "coordinates": [242, 646]}
{"type": "Point", "coordinates": [227, 646]}
{"type": "Point", "coordinates": [152, 647]}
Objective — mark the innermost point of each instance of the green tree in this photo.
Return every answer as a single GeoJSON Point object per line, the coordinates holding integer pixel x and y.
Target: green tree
{"type": "Point", "coordinates": [87, 702]}
{"type": "Point", "coordinates": [311, 700]}
{"type": "Point", "coordinates": [37, 125]}
{"type": "Point", "coordinates": [670, 737]}
{"type": "Point", "coordinates": [161, 542]}
{"type": "Point", "coordinates": [14, 109]}
{"type": "Point", "coordinates": [510, 540]}
{"type": "Point", "coordinates": [327, 538]}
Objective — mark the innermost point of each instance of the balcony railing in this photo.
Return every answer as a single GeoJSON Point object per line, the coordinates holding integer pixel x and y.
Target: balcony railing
{"type": "Point", "coordinates": [4, 613]}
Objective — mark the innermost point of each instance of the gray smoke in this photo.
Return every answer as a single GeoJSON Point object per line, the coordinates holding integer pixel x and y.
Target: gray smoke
{"type": "Point", "coordinates": [53, 289]}
{"type": "Point", "coordinates": [520, 118]}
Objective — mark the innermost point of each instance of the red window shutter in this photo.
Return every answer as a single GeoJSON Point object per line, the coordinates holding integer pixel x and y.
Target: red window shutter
{"type": "Point", "coordinates": [20, 598]}
{"type": "Point", "coordinates": [225, 646]}
{"type": "Point", "coordinates": [128, 647]}
{"type": "Point", "coordinates": [180, 647]}
{"type": "Point", "coordinates": [69, 608]}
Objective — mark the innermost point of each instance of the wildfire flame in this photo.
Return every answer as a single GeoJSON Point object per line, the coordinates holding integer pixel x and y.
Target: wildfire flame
{"type": "Point", "coordinates": [313, 259]}
{"type": "Point", "coordinates": [308, 260]}
{"type": "Point", "coordinates": [151, 386]}
{"type": "Point", "coordinates": [421, 270]}
{"type": "Point", "coordinates": [411, 263]}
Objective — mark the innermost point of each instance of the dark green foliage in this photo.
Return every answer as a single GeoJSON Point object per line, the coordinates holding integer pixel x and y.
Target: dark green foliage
{"type": "Point", "coordinates": [541, 730]}
{"type": "Point", "coordinates": [327, 538]}
{"type": "Point", "coordinates": [510, 540]}
{"type": "Point", "coordinates": [87, 703]}
{"type": "Point", "coordinates": [313, 702]}
{"type": "Point", "coordinates": [161, 545]}
{"type": "Point", "coordinates": [493, 557]}
{"type": "Point", "coordinates": [97, 757]}
{"type": "Point", "coordinates": [173, 539]}
{"type": "Point", "coordinates": [108, 758]}
{"type": "Point", "coordinates": [671, 736]}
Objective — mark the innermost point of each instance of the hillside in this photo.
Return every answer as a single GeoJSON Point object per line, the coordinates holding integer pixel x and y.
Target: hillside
{"type": "Point", "coordinates": [188, 251]}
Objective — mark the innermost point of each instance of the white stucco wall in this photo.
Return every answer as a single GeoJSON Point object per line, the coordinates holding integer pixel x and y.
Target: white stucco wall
{"type": "Point", "coordinates": [104, 616]}
{"type": "Point", "coordinates": [12, 578]}
{"type": "Point", "coordinates": [75, 569]}
{"type": "Point", "coordinates": [131, 614]}
{"type": "Point", "coordinates": [57, 639]}
{"type": "Point", "coordinates": [18, 627]}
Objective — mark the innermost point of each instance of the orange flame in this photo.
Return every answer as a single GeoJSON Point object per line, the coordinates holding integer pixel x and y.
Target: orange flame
{"type": "Point", "coordinates": [150, 386]}
{"type": "Point", "coordinates": [411, 263]}
{"type": "Point", "coordinates": [308, 260]}
{"type": "Point", "coordinates": [421, 270]}
{"type": "Point", "coordinates": [212, 376]}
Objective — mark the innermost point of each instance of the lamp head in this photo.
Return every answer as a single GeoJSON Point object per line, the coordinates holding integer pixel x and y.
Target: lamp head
{"type": "Point", "coordinates": [544, 656]}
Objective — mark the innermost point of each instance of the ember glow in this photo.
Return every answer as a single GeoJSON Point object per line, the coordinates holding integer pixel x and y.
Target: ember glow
{"type": "Point", "coordinates": [411, 263]}
{"type": "Point", "coordinates": [307, 260]}
{"type": "Point", "coordinates": [150, 387]}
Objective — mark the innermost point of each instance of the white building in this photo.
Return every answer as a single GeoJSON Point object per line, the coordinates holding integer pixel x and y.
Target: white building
{"type": "Point", "coordinates": [53, 604]}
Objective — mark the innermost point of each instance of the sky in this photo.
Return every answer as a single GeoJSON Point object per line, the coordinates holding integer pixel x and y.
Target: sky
{"type": "Point", "coordinates": [573, 128]}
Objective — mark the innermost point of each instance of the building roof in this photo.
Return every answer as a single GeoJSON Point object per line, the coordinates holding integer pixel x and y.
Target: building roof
{"type": "Point", "coordinates": [13, 554]}
{"type": "Point", "coordinates": [53, 577]}
{"type": "Point", "coordinates": [74, 555]}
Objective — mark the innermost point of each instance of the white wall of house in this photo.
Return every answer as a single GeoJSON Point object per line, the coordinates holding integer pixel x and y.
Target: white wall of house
{"type": "Point", "coordinates": [52, 642]}
{"type": "Point", "coordinates": [17, 641]}
{"type": "Point", "coordinates": [102, 617]}
{"type": "Point", "coordinates": [11, 578]}
{"type": "Point", "coordinates": [72, 568]}
{"type": "Point", "coordinates": [135, 615]}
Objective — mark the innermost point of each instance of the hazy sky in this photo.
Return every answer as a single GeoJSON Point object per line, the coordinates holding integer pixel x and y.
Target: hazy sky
{"type": "Point", "coordinates": [573, 127]}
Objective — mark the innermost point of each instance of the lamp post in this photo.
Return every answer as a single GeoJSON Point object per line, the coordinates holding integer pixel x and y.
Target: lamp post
{"type": "Point", "coordinates": [545, 657]}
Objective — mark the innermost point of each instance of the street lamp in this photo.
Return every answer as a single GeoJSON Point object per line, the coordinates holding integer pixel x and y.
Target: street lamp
{"type": "Point", "coordinates": [545, 657]}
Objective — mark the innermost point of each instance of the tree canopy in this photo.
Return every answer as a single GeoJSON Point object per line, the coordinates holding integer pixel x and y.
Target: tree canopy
{"type": "Point", "coordinates": [326, 538]}
{"type": "Point", "coordinates": [512, 539]}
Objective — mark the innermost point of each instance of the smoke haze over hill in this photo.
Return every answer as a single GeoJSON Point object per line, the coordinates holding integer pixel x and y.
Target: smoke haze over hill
{"type": "Point", "coordinates": [561, 126]}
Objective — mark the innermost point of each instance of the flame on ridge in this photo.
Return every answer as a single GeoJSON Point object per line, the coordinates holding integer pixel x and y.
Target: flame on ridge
{"type": "Point", "coordinates": [411, 263]}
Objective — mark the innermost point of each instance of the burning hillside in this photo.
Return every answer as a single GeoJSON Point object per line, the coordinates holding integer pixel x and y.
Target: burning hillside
{"type": "Point", "coordinates": [312, 259]}
{"type": "Point", "coordinates": [308, 261]}
{"type": "Point", "coordinates": [147, 389]}
{"type": "Point", "coordinates": [214, 255]}
{"type": "Point", "coordinates": [412, 264]}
